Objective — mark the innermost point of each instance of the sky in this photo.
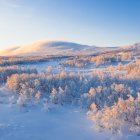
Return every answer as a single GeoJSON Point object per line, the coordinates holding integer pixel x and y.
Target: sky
{"type": "Point", "coordinates": [91, 22]}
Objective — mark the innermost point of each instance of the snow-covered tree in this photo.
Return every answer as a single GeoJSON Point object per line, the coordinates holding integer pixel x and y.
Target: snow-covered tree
{"type": "Point", "coordinates": [54, 96]}
{"type": "Point", "coordinates": [49, 69]}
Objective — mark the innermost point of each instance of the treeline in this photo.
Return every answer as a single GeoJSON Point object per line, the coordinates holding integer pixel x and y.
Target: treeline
{"type": "Point", "coordinates": [6, 72]}
{"type": "Point", "coordinates": [15, 60]}
{"type": "Point", "coordinates": [79, 62]}
{"type": "Point", "coordinates": [104, 59]}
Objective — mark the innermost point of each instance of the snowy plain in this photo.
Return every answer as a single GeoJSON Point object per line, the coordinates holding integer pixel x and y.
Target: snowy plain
{"type": "Point", "coordinates": [61, 123]}
{"type": "Point", "coordinates": [36, 123]}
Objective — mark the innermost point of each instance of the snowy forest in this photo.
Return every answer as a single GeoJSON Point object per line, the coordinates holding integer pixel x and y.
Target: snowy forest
{"type": "Point", "coordinates": [106, 87]}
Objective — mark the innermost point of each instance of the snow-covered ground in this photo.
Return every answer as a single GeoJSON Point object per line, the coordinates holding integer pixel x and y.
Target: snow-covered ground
{"type": "Point", "coordinates": [61, 123]}
{"type": "Point", "coordinates": [65, 123]}
{"type": "Point", "coordinates": [43, 66]}
{"type": "Point", "coordinates": [56, 67]}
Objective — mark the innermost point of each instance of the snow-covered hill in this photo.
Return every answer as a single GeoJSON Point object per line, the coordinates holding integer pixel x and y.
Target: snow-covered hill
{"type": "Point", "coordinates": [52, 48]}
{"type": "Point", "coordinates": [133, 47]}
{"type": "Point", "coordinates": [64, 48]}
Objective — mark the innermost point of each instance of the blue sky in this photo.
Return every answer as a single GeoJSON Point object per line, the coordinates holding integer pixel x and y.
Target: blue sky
{"type": "Point", "coordinates": [93, 22]}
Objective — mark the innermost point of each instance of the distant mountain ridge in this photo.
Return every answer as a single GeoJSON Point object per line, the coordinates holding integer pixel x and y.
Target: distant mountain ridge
{"type": "Point", "coordinates": [54, 48]}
